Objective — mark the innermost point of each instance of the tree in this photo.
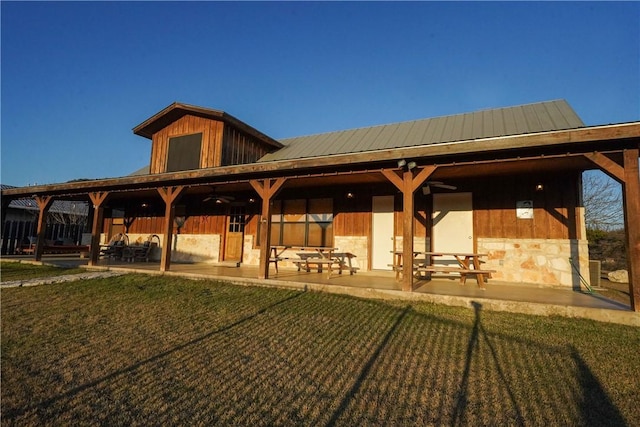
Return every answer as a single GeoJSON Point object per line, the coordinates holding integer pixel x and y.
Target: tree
{"type": "Point", "coordinates": [602, 199]}
{"type": "Point", "coordinates": [604, 219]}
{"type": "Point", "coordinates": [70, 213]}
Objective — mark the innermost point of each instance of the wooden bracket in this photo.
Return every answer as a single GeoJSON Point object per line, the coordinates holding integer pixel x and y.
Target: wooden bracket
{"type": "Point", "coordinates": [607, 165]}
{"type": "Point", "coordinates": [98, 198]}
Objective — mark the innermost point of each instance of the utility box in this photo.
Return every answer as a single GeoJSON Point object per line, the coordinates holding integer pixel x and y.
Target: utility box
{"type": "Point", "coordinates": [595, 271]}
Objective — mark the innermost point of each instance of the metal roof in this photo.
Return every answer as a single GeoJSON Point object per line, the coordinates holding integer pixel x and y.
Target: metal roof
{"type": "Point", "coordinates": [522, 119]}
{"type": "Point", "coordinates": [59, 206]}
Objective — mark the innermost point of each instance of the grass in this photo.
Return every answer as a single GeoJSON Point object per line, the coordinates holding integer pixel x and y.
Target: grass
{"type": "Point", "coordinates": [146, 350]}
{"type": "Point", "coordinates": [10, 271]}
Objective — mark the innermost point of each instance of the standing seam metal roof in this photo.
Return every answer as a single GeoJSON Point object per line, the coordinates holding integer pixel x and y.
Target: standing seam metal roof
{"type": "Point", "coordinates": [522, 119]}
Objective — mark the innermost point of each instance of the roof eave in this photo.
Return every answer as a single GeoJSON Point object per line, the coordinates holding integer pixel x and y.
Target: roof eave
{"type": "Point", "coordinates": [606, 133]}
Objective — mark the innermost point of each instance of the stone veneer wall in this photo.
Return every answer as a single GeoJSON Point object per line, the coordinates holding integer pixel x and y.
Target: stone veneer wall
{"type": "Point", "coordinates": [357, 245]}
{"type": "Point", "coordinates": [186, 247]}
{"type": "Point", "coordinates": [544, 262]}
{"type": "Point", "coordinates": [419, 243]}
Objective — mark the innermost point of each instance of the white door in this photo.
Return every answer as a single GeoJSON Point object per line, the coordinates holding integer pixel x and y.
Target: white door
{"type": "Point", "coordinates": [382, 233]}
{"type": "Point", "coordinates": [452, 224]}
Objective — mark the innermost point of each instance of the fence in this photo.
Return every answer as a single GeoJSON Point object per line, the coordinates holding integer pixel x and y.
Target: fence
{"type": "Point", "coordinates": [16, 233]}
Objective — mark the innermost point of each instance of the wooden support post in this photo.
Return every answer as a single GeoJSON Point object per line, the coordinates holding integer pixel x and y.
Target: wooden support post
{"type": "Point", "coordinates": [266, 189]}
{"type": "Point", "coordinates": [3, 215]}
{"type": "Point", "coordinates": [631, 199]}
{"type": "Point", "coordinates": [627, 175]}
{"type": "Point", "coordinates": [408, 184]}
{"type": "Point", "coordinates": [44, 203]}
{"type": "Point", "coordinates": [97, 200]}
{"type": "Point", "coordinates": [170, 196]}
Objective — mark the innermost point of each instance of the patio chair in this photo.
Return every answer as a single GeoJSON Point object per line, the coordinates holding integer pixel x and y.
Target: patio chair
{"type": "Point", "coordinates": [115, 247]}
{"type": "Point", "coordinates": [141, 253]}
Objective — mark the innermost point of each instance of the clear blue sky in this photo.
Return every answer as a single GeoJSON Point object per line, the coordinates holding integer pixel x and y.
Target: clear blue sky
{"type": "Point", "coordinates": [77, 77]}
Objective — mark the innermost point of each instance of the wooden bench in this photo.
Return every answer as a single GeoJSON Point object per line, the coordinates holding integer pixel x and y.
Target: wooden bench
{"type": "Point", "coordinates": [338, 262]}
{"type": "Point", "coordinates": [464, 272]}
{"type": "Point", "coordinates": [53, 249]}
{"type": "Point", "coordinates": [344, 262]}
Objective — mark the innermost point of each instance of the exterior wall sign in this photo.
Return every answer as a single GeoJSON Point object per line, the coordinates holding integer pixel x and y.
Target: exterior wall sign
{"type": "Point", "coordinates": [524, 209]}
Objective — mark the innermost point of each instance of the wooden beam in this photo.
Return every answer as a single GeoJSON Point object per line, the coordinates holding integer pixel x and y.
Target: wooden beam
{"type": "Point", "coordinates": [422, 176]}
{"type": "Point", "coordinates": [266, 189]}
{"type": "Point", "coordinates": [44, 203]}
{"type": "Point", "coordinates": [631, 203]}
{"type": "Point", "coordinates": [5, 201]}
{"type": "Point", "coordinates": [97, 200]}
{"type": "Point", "coordinates": [407, 231]}
{"type": "Point", "coordinates": [395, 179]}
{"type": "Point", "coordinates": [408, 184]}
{"type": "Point", "coordinates": [607, 165]}
{"type": "Point", "coordinates": [170, 195]}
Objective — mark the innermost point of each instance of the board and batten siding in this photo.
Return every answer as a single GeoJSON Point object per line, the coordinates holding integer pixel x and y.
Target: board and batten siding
{"type": "Point", "coordinates": [195, 224]}
{"type": "Point", "coordinates": [352, 217]}
{"type": "Point", "coordinates": [556, 209]}
{"type": "Point", "coordinates": [211, 148]}
{"type": "Point", "coordinates": [240, 148]}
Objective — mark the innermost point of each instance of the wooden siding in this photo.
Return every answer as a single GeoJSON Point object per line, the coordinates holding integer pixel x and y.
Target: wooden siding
{"type": "Point", "coordinates": [352, 217]}
{"type": "Point", "coordinates": [554, 214]}
{"type": "Point", "coordinates": [196, 224]}
{"type": "Point", "coordinates": [240, 148]}
{"type": "Point", "coordinates": [211, 150]}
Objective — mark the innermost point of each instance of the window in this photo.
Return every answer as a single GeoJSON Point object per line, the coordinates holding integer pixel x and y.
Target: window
{"type": "Point", "coordinates": [236, 219]}
{"type": "Point", "coordinates": [302, 222]}
{"type": "Point", "coordinates": [184, 152]}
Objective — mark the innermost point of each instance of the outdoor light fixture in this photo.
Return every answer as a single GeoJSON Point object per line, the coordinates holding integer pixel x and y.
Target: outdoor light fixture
{"type": "Point", "coordinates": [402, 163]}
{"type": "Point", "coordinates": [350, 195]}
{"type": "Point", "coordinates": [539, 186]}
{"type": "Point", "coordinates": [252, 200]}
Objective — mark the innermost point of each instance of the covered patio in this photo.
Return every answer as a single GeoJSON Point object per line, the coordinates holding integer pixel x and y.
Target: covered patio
{"type": "Point", "coordinates": [498, 296]}
{"type": "Point", "coordinates": [220, 191]}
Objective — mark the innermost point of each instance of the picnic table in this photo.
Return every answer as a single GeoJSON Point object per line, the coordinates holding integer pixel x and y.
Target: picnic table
{"type": "Point", "coordinates": [320, 257]}
{"type": "Point", "coordinates": [465, 264]}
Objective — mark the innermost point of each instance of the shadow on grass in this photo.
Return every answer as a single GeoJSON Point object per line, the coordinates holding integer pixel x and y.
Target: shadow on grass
{"type": "Point", "coordinates": [593, 405]}
{"type": "Point", "coordinates": [461, 399]}
{"type": "Point", "coordinates": [366, 368]}
{"type": "Point", "coordinates": [12, 414]}
{"type": "Point", "coordinates": [327, 360]}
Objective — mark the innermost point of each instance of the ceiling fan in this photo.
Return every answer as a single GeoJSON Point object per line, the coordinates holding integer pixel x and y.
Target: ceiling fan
{"type": "Point", "coordinates": [426, 189]}
{"type": "Point", "coordinates": [219, 198]}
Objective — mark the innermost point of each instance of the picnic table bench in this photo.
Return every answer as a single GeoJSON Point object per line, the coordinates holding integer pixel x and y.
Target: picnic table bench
{"type": "Point", "coordinates": [465, 264]}
{"type": "Point", "coordinates": [315, 257]}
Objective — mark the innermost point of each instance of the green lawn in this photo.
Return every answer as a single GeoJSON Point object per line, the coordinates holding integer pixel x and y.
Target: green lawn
{"type": "Point", "coordinates": [10, 271]}
{"type": "Point", "coordinates": [147, 350]}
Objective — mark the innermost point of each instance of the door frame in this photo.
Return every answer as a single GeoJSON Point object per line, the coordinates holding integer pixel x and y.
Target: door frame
{"type": "Point", "coordinates": [388, 223]}
{"type": "Point", "coordinates": [233, 213]}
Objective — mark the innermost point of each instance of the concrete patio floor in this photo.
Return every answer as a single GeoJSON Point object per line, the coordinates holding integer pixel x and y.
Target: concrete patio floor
{"type": "Point", "coordinates": [498, 296]}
